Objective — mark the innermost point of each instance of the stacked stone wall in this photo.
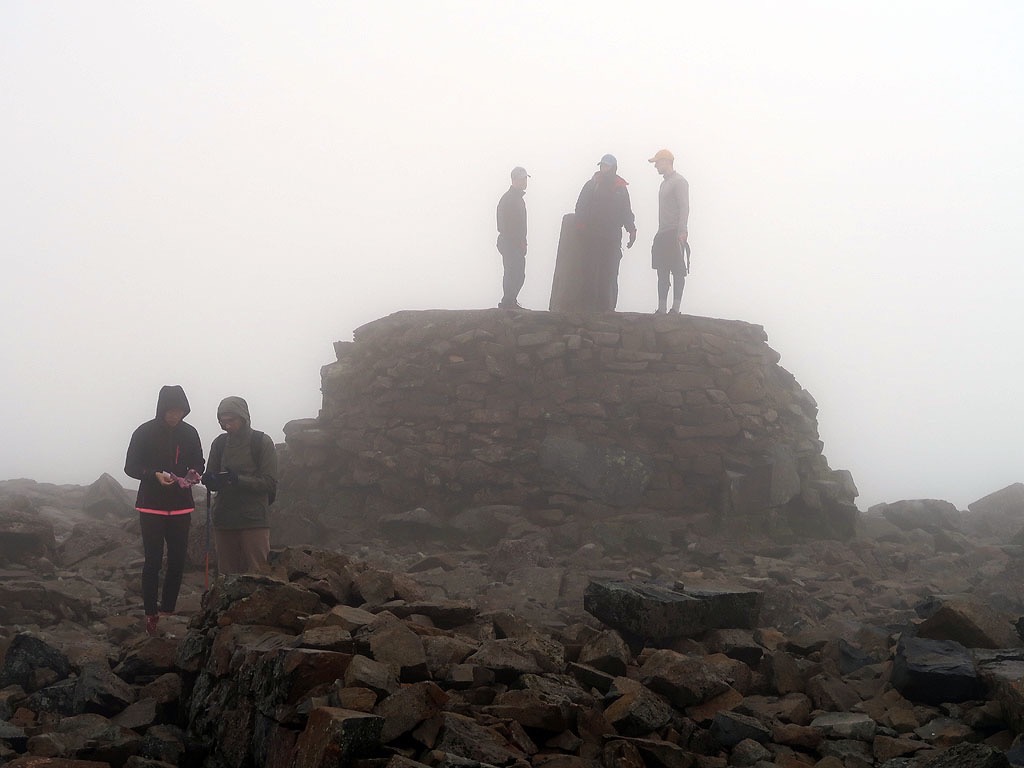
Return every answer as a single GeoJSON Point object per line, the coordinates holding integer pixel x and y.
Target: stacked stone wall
{"type": "Point", "coordinates": [592, 415]}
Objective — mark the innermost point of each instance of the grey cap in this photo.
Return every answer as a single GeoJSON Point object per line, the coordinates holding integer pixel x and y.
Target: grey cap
{"type": "Point", "coordinates": [519, 173]}
{"type": "Point", "coordinates": [609, 160]}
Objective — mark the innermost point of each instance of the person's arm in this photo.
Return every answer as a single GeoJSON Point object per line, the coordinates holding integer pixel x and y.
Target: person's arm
{"type": "Point", "coordinates": [583, 202]}
{"type": "Point", "coordinates": [264, 478]}
{"type": "Point", "coordinates": [135, 458]}
{"type": "Point", "coordinates": [683, 200]}
{"type": "Point", "coordinates": [501, 215]}
{"type": "Point", "coordinates": [630, 220]}
{"type": "Point", "coordinates": [194, 453]}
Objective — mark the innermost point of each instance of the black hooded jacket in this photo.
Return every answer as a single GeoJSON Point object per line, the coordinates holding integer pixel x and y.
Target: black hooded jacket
{"type": "Point", "coordinates": [603, 209]}
{"type": "Point", "coordinates": [156, 447]}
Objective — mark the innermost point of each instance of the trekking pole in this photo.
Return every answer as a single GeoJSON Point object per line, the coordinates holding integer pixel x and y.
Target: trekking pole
{"type": "Point", "coordinates": [206, 575]}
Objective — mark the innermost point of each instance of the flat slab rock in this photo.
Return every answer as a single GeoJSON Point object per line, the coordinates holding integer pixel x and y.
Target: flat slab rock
{"type": "Point", "coordinates": [659, 614]}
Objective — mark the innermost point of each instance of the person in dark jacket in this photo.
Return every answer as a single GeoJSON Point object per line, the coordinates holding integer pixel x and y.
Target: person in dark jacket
{"type": "Point", "coordinates": [243, 473]}
{"type": "Point", "coordinates": [166, 456]}
{"type": "Point", "coordinates": [603, 210]}
{"type": "Point", "coordinates": [512, 238]}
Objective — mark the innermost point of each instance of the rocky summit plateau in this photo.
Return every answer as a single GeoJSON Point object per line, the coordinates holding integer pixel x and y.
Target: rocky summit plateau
{"type": "Point", "coordinates": [530, 539]}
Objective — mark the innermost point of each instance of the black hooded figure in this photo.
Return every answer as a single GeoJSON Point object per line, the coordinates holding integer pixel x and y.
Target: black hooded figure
{"type": "Point", "coordinates": [160, 455]}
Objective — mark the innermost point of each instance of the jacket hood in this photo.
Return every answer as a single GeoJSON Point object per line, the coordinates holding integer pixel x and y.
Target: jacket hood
{"type": "Point", "coordinates": [171, 396]}
{"type": "Point", "coordinates": [236, 406]}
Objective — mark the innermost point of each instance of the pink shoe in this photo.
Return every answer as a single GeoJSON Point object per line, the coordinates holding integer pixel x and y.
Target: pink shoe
{"type": "Point", "coordinates": [151, 622]}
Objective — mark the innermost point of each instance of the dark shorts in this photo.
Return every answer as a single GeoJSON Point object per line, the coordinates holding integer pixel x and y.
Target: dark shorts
{"type": "Point", "coordinates": [667, 253]}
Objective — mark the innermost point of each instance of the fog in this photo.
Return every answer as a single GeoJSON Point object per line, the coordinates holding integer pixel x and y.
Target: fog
{"type": "Point", "coordinates": [211, 194]}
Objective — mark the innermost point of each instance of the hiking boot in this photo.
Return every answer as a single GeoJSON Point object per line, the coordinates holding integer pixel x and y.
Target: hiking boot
{"type": "Point", "coordinates": [674, 311]}
{"type": "Point", "coordinates": [659, 311]}
{"type": "Point", "coordinates": [510, 305]}
{"type": "Point", "coordinates": [151, 622]}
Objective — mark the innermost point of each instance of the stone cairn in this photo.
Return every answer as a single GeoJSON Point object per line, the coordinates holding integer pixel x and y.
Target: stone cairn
{"type": "Point", "coordinates": [592, 416]}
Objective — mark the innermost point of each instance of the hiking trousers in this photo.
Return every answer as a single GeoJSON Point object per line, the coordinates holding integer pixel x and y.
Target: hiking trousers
{"type": "Point", "coordinates": [156, 531]}
{"type": "Point", "coordinates": [242, 550]}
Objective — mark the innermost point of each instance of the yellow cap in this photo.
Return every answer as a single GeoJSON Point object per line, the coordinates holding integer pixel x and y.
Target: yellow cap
{"type": "Point", "coordinates": [662, 154]}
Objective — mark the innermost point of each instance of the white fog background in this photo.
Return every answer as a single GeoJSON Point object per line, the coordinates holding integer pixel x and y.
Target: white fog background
{"type": "Point", "coordinates": [211, 193]}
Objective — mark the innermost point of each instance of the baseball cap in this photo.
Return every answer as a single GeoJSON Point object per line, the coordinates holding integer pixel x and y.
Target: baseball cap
{"type": "Point", "coordinates": [662, 154]}
{"type": "Point", "coordinates": [519, 172]}
{"type": "Point", "coordinates": [609, 160]}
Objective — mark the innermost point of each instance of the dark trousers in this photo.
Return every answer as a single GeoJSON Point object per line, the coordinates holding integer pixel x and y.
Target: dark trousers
{"type": "Point", "coordinates": [513, 258]}
{"type": "Point", "coordinates": [604, 256]}
{"type": "Point", "coordinates": [157, 529]}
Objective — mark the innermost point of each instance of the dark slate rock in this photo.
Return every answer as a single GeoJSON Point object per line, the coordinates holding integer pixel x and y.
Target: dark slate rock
{"type": "Point", "coordinates": [27, 654]}
{"type": "Point", "coordinates": [13, 736]}
{"type": "Point", "coordinates": [730, 728]}
{"type": "Point", "coordinates": [935, 671]}
{"type": "Point", "coordinates": [730, 607]}
{"type": "Point", "coordinates": [968, 756]}
{"type": "Point", "coordinates": [100, 691]}
{"type": "Point", "coordinates": [660, 614]}
{"type": "Point", "coordinates": [645, 610]}
{"type": "Point", "coordinates": [58, 699]}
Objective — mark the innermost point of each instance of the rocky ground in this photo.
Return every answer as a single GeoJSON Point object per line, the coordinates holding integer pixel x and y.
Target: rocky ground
{"type": "Point", "coordinates": [468, 642]}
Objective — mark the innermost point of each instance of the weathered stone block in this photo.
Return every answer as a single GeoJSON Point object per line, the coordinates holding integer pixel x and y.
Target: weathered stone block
{"type": "Point", "coordinates": [335, 736]}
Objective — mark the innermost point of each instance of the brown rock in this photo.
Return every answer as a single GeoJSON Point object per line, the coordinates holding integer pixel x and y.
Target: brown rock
{"type": "Point", "coordinates": [887, 747]}
{"type": "Point", "coordinates": [638, 713]}
{"type": "Point", "coordinates": [335, 736]}
{"type": "Point", "coordinates": [832, 694]}
{"type": "Point", "coordinates": [972, 624]}
{"type": "Point", "coordinates": [408, 707]}
{"type": "Point", "coordinates": [684, 680]}
{"type": "Point", "coordinates": [394, 644]}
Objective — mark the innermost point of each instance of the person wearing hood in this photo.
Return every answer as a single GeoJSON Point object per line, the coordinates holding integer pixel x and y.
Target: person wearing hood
{"type": "Point", "coordinates": [243, 476]}
{"type": "Point", "coordinates": [166, 456]}
{"type": "Point", "coordinates": [603, 210]}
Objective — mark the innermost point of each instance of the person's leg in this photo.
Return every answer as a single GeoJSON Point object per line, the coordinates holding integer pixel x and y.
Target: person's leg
{"type": "Point", "coordinates": [518, 276]}
{"type": "Point", "coordinates": [615, 257]}
{"type": "Point", "coordinates": [152, 527]}
{"type": "Point", "coordinates": [514, 264]}
{"type": "Point", "coordinates": [177, 548]}
{"type": "Point", "coordinates": [663, 284]}
{"type": "Point", "coordinates": [254, 549]}
{"type": "Point", "coordinates": [226, 543]}
{"type": "Point", "coordinates": [678, 283]}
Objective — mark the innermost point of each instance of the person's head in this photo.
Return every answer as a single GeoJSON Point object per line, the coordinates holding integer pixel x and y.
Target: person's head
{"type": "Point", "coordinates": [608, 165]}
{"type": "Point", "coordinates": [519, 177]}
{"type": "Point", "coordinates": [663, 161]}
{"type": "Point", "coordinates": [233, 414]}
{"type": "Point", "coordinates": [172, 405]}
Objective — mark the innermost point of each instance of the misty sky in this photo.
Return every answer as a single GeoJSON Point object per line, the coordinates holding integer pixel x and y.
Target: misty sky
{"type": "Point", "coordinates": [211, 194]}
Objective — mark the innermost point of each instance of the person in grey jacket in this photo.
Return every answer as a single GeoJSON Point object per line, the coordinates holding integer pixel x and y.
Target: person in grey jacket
{"type": "Point", "coordinates": [511, 244]}
{"type": "Point", "coordinates": [242, 472]}
{"type": "Point", "coordinates": [667, 251]}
